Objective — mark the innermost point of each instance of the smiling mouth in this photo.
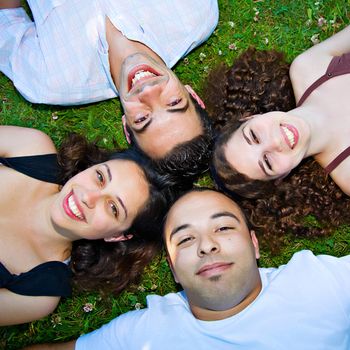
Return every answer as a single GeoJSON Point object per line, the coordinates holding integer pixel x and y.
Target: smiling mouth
{"type": "Point", "coordinates": [290, 134]}
{"type": "Point", "coordinates": [73, 209]}
{"type": "Point", "coordinates": [140, 74]}
{"type": "Point", "coordinates": [213, 269]}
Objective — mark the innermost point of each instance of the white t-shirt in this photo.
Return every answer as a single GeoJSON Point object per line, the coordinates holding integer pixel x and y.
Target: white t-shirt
{"type": "Point", "coordinates": [304, 304]}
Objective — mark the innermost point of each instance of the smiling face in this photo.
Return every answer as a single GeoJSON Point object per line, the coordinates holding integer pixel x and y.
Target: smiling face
{"type": "Point", "coordinates": [211, 251]}
{"type": "Point", "coordinates": [268, 145]}
{"type": "Point", "coordinates": [157, 107]}
{"type": "Point", "coordinates": [101, 201]}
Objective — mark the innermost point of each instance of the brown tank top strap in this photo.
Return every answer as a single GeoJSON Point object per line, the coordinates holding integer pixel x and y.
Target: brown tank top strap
{"type": "Point", "coordinates": [328, 75]}
{"type": "Point", "coordinates": [335, 162]}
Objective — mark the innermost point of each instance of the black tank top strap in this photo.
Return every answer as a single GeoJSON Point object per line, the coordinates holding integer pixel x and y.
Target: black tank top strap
{"type": "Point", "coordinates": [51, 278]}
{"type": "Point", "coordinates": [42, 167]}
{"type": "Point", "coordinates": [335, 162]}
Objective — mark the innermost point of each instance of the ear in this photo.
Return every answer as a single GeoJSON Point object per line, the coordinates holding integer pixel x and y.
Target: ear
{"type": "Point", "coordinates": [172, 268]}
{"type": "Point", "coordinates": [118, 238]}
{"type": "Point", "coordinates": [255, 244]}
{"type": "Point", "coordinates": [195, 96]}
{"type": "Point", "coordinates": [126, 132]}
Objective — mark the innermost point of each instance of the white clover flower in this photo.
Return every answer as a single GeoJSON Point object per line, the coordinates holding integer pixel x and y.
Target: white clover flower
{"type": "Point", "coordinates": [314, 39]}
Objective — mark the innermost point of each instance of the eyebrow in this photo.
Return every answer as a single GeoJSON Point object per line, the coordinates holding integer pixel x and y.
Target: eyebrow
{"type": "Point", "coordinates": [262, 168]}
{"type": "Point", "coordinates": [214, 216]}
{"type": "Point", "coordinates": [109, 173]}
{"type": "Point", "coordinates": [173, 110]}
{"type": "Point", "coordinates": [246, 137]}
{"type": "Point", "coordinates": [225, 213]}
{"type": "Point", "coordinates": [261, 165]}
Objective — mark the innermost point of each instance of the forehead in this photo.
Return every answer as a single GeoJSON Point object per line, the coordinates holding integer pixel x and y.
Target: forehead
{"type": "Point", "coordinates": [198, 207]}
{"type": "Point", "coordinates": [168, 129]}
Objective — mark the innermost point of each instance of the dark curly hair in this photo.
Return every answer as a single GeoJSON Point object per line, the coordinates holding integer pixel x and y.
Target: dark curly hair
{"type": "Point", "coordinates": [307, 202]}
{"type": "Point", "coordinates": [106, 266]}
{"type": "Point", "coordinates": [186, 161]}
{"type": "Point", "coordinates": [258, 82]}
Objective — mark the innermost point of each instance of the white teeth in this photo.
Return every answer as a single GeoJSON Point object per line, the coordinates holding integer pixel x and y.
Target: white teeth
{"type": "Point", "coordinates": [73, 207]}
{"type": "Point", "coordinates": [290, 136]}
{"type": "Point", "coordinates": [141, 74]}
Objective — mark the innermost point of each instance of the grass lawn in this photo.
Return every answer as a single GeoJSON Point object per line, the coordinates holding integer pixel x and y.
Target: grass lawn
{"type": "Point", "coordinates": [286, 25]}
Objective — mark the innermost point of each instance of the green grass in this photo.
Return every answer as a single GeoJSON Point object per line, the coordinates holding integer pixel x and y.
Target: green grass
{"type": "Point", "coordinates": [284, 25]}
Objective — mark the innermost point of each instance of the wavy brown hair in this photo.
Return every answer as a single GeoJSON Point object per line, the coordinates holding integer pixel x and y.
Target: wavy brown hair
{"type": "Point", "coordinates": [258, 82]}
{"type": "Point", "coordinates": [306, 204]}
{"type": "Point", "coordinates": [107, 266]}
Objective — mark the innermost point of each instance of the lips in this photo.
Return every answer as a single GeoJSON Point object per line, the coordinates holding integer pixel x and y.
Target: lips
{"type": "Point", "coordinates": [213, 269]}
{"type": "Point", "coordinates": [139, 74]}
{"type": "Point", "coordinates": [72, 207]}
{"type": "Point", "coordinates": [290, 135]}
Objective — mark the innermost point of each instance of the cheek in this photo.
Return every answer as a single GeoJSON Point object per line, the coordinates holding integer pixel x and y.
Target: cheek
{"type": "Point", "coordinates": [103, 224]}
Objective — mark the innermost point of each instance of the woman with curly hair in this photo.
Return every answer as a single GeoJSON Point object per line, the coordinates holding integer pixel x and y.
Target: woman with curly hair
{"type": "Point", "coordinates": [98, 212]}
{"type": "Point", "coordinates": [274, 207]}
{"type": "Point", "coordinates": [255, 149]}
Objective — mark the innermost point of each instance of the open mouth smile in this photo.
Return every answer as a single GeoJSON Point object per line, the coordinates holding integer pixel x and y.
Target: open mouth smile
{"type": "Point", "coordinates": [72, 208]}
{"type": "Point", "coordinates": [290, 134]}
{"type": "Point", "coordinates": [140, 74]}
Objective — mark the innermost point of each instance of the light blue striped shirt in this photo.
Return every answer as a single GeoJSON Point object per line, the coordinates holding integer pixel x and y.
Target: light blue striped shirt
{"type": "Point", "coordinates": [62, 57]}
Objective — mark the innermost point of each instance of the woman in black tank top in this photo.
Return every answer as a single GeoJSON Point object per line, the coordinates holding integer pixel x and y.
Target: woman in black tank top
{"type": "Point", "coordinates": [83, 211]}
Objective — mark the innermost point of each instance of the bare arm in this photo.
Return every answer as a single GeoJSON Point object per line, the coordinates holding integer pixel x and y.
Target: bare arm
{"type": "Point", "coordinates": [17, 141]}
{"type": "Point", "coordinates": [313, 63]}
{"type": "Point", "coordinates": [16, 309]}
{"type": "Point", "coordinates": [60, 346]}
{"type": "Point", "coordinates": [8, 4]}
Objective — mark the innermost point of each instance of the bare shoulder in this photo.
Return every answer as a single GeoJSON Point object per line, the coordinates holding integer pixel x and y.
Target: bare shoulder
{"type": "Point", "coordinates": [341, 177]}
{"type": "Point", "coordinates": [19, 141]}
{"type": "Point", "coordinates": [17, 309]}
{"type": "Point", "coordinates": [313, 63]}
{"type": "Point", "coordinates": [306, 69]}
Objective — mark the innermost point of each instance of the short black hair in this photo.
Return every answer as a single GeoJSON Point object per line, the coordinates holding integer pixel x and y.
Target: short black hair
{"type": "Point", "coordinates": [187, 160]}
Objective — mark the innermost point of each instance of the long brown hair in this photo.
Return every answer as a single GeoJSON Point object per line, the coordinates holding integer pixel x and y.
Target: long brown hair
{"type": "Point", "coordinates": [97, 264]}
{"type": "Point", "coordinates": [307, 202]}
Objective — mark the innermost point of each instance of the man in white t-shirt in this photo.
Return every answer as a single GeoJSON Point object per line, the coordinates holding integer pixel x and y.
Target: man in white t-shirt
{"type": "Point", "coordinates": [228, 302]}
{"type": "Point", "coordinates": [78, 51]}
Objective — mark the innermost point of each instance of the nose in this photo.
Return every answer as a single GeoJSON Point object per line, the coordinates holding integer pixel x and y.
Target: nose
{"type": "Point", "coordinates": [149, 91]}
{"type": "Point", "coordinates": [208, 245]}
{"type": "Point", "coordinates": [90, 198]}
{"type": "Point", "coordinates": [274, 144]}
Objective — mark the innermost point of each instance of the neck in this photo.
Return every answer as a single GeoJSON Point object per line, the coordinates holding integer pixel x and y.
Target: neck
{"type": "Point", "coordinates": [121, 47]}
{"type": "Point", "coordinates": [318, 124]}
{"type": "Point", "coordinates": [216, 315]}
{"type": "Point", "coordinates": [46, 235]}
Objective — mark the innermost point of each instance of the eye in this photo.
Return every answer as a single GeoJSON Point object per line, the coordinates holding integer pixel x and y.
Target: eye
{"type": "Point", "coordinates": [100, 177]}
{"type": "Point", "coordinates": [141, 119]}
{"type": "Point", "coordinates": [114, 209]}
{"type": "Point", "coordinates": [254, 137]}
{"type": "Point", "coordinates": [185, 240]}
{"type": "Point", "coordinates": [224, 228]}
{"type": "Point", "coordinates": [175, 102]}
{"type": "Point", "coordinates": [267, 162]}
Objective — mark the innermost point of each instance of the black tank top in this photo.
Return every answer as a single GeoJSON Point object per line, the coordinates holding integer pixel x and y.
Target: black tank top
{"type": "Point", "coordinates": [51, 278]}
